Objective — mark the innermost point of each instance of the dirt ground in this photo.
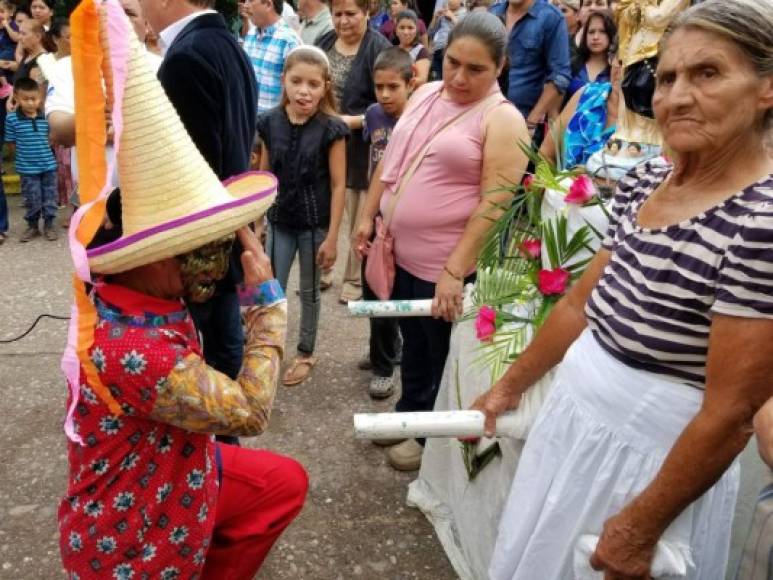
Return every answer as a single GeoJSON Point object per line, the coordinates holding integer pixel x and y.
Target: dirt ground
{"type": "Point", "coordinates": [355, 523]}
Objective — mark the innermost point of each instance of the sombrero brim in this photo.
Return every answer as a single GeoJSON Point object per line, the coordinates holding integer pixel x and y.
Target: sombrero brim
{"type": "Point", "coordinates": [253, 193]}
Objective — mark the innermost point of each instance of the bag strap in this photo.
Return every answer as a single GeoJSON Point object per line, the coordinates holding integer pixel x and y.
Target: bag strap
{"type": "Point", "coordinates": [390, 210]}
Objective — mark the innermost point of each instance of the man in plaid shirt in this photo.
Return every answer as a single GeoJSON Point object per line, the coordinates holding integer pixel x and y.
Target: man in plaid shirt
{"type": "Point", "coordinates": [267, 45]}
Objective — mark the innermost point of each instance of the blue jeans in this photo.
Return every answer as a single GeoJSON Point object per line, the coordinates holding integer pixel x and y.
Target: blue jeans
{"type": "Point", "coordinates": [3, 209]}
{"type": "Point", "coordinates": [283, 244]}
{"type": "Point", "coordinates": [39, 193]}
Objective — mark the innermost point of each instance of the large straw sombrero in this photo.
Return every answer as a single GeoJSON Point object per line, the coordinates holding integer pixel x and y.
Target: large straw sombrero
{"type": "Point", "coordinates": [171, 200]}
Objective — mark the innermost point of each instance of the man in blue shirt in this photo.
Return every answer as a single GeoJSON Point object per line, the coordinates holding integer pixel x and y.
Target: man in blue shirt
{"type": "Point", "coordinates": [538, 54]}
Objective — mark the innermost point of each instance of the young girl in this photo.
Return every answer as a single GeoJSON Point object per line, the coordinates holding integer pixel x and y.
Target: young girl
{"type": "Point", "coordinates": [304, 146]}
{"type": "Point", "coordinates": [407, 32]}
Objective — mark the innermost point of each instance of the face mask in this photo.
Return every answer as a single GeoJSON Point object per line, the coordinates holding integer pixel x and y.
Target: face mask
{"type": "Point", "coordinates": [201, 268]}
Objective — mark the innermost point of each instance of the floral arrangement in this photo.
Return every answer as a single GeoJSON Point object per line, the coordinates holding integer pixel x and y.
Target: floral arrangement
{"type": "Point", "coordinates": [525, 267]}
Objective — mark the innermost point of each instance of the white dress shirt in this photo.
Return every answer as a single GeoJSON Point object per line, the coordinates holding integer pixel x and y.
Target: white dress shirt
{"type": "Point", "coordinates": [167, 35]}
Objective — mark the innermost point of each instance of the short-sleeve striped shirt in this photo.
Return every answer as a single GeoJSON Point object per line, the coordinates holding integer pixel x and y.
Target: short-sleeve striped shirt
{"type": "Point", "coordinates": [653, 306]}
{"type": "Point", "coordinates": [33, 151]}
{"type": "Point", "coordinates": [268, 48]}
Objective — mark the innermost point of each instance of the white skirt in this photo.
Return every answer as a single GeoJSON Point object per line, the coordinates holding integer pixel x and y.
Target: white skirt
{"type": "Point", "coordinates": [599, 440]}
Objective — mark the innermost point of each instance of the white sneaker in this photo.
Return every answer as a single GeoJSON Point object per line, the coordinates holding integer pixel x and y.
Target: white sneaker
{"type": "Point", "coordinates": [381, 387]}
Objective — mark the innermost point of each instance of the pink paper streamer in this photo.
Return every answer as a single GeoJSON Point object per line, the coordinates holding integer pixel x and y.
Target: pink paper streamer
{"type": "Point", "coordinates": [119, 31]}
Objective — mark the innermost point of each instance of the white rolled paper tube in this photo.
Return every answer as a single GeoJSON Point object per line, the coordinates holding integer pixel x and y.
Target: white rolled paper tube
{"type": "Point", "coordinates": [390, 308]}
{"type": "Point", "coordinates": [428, 424]}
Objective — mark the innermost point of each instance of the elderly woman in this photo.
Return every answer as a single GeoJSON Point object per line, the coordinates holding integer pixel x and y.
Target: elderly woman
{"type": "Point", "coordinates": [441, 177]}
{"type": "Point", "coordinates": [665, 342]}
{"type": "Point", "coordinates": [352, 48]}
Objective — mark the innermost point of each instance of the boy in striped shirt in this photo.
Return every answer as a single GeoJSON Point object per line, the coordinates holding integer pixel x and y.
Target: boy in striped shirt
{"type": "Point", "coordinates": [26, 129]}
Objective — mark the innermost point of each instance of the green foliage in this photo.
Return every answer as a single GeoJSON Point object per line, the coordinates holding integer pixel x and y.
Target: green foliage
{"type": "Point", "coordinates": [508, 277]}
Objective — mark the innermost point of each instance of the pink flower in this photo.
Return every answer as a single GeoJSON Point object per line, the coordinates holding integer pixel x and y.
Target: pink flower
{"type": "Point", "coordinates": [581, 190]}
{"type": "Point", "coordinates": [553, 282]}
{"type": "Point", "coordinates": [485, 323]}
{"type": "Point", "coordinates": [527, 181]}
{"type": "Point", "coordinates": [532, 247]}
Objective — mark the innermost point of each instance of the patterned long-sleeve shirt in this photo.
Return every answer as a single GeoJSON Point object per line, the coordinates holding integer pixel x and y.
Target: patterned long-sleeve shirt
{"type": "Point", "coordinates": [142, 490]}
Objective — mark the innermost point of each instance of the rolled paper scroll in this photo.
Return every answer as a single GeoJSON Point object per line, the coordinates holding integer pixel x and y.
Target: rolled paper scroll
{"type": "Point", "coordinates": [431, 424]}
{"type": "Point", "coordinates": [390, 308]}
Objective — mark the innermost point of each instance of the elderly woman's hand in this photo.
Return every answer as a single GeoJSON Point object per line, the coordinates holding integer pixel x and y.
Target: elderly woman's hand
{"type": "Point", "coordinates": [493, 403]}
{"type": "Point", "coordinates": [448, 297]}
{"type": "Point", "coordinates": [624, 551]}
{"type": "Point", "coordinates": [763, 427]}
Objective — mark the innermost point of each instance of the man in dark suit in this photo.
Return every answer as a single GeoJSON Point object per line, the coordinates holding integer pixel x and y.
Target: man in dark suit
{"type": "Point", "coordinates": [211, 84]}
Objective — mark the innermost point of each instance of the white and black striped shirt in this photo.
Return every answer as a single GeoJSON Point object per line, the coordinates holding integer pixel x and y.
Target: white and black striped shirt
{"type": "Point", "coordinates": [652, 307]}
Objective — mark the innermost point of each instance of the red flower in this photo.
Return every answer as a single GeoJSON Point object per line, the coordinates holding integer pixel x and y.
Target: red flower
{"type": "Point", "coordinates": [486, 323]}
{"type": "Point", "coordinates": [532, 247]}
{"type": "Point", "coordinates": [553, 282]}
{"type": "Point", "coordinates": [527, 181]}
{"type": "Point", "coordinates": [581, 191]}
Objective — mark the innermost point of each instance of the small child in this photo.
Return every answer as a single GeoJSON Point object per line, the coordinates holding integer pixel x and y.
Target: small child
{"type": "Point", "coordinates": [407, 31]}
{"type": "Point", "coordinates": [304, 146]}
{"type": "Point", "coordinates": [443, 23]}
{"type": "Point", "coordinates": [27, 130]}
{"type": "Point", "coordinates": [393, 77]}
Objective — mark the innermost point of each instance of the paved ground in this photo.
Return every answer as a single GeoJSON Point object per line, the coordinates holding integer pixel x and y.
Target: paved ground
{"type": "Point", "coordinates": [355, 523]}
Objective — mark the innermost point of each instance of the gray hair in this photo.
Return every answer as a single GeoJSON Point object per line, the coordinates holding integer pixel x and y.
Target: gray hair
{"type": "Point", "coordinates": [746, 23]}
{"type": "Point", "coordinates": [486, 28]}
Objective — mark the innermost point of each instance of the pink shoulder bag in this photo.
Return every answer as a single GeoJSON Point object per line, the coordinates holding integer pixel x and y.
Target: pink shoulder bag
{"type": "Point", "coordinates": [380, 265]}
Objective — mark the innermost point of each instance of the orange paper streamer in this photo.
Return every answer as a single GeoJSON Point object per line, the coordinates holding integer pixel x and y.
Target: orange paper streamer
{"type": "Point", "coordinates": [88, 60]}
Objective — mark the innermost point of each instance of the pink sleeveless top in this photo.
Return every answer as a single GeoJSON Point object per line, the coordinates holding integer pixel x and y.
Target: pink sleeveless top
{"type": "Point", "coordinates": [445, 189]}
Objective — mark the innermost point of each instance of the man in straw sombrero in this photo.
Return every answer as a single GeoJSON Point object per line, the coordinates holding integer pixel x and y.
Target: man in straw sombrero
{"type": "Point", "coordinates": [150, 494]}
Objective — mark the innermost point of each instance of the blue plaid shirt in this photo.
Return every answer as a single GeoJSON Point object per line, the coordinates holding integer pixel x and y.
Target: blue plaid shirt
{"type": "Point", "coordinates": [267, 49]}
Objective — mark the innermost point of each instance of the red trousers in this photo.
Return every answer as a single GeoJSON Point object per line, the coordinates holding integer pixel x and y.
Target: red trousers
{"type": "Point", "coordinates": [261, 493]}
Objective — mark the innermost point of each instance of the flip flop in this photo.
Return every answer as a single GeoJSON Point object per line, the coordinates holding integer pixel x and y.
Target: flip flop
{"type": "Point", "coordinates": [299, 371]}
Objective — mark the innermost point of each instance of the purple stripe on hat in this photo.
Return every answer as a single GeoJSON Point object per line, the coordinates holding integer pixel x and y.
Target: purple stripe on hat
{"type": "Point", "coordinates": [139, 236]}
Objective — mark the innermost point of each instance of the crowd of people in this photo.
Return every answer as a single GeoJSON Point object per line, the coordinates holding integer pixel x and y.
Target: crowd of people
{"type": "Point", "coordinates": [402, 122]}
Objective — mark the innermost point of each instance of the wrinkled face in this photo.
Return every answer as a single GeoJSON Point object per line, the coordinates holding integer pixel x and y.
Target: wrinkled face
{"type": "Point", "coordinates": [41, 12]}
{"type": "Point", "coordinates": [597, 38]}
{"type": "Point", "coordinates": [392, 90]}
{"type": "Point", "coordinates": [349, 21]}
{"type": "Point", "coordinates": [201, 268]}
{"type": "Point", "coordinates": [708, 95]}
{"type": "Point", "coordinates": [406, 32]}
{"type": "Point", "coordinates": [468, 70]}
{"type": "Point", "coordinates": [305, 85]}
